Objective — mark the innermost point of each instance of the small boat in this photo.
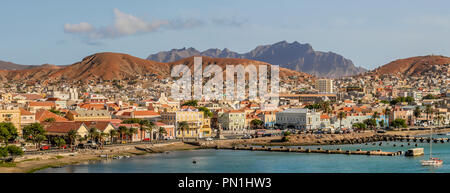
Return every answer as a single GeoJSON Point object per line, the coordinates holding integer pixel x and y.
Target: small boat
{"type": "Point", "coordinates": [433, 161]}
{"type": "Point", "coordinates": [127, 156]}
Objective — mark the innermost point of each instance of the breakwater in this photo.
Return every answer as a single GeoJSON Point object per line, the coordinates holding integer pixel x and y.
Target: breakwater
{"type": "Point", "coordinates": [309, 150]}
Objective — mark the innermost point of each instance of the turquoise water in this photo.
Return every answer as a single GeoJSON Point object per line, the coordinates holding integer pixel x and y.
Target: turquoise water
{"type": "Point", "coordinates": [230, 161]}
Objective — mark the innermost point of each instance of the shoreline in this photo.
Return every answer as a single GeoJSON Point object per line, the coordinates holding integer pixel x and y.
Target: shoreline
{"type": "Point", "coordinates": [33, 163]}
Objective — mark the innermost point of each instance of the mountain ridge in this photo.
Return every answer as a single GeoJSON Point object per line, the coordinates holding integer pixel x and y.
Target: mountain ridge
{"type": "Point", "coordinates": [294, 56]}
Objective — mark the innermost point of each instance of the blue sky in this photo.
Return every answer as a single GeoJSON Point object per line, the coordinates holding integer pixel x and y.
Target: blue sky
{"type": "Point", "coordinates": [370, 33]}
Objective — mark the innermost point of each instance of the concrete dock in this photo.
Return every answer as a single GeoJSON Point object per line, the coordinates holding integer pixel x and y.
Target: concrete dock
{"type": "Point", "coordinates": [316, 150]}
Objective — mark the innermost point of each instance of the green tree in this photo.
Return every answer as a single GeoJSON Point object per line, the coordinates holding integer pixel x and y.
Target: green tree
{"type": "Point", "coordinates": [72, 136]}
{"type": "Point", "coordinates": [113, 133]}
{"type": "Point", "coordinates": [359, 126]}
{"type": "Point", "coordinates": [381, 122]}
{"type": "Point", "coordinates": [183, 126]}
{"type": "Point", "coordinates": [341, 115]}
{"type": "Point", "coordinates": [3, 153]}
{"type": "Point", "coordinates": [93, 133]}
{"type": "Point", "coordinates": [193, 103]}
{"type": "Point", "coordinates": [417, 112]}
{"type": "Point", "coordinates": [54, 110]}
{"type": "Point", "coordinates": [131, 132]}
{"type": "Point", "coordinates": [397, 123]}
{"type": "Point", "coordinates": [50, 120]}
{"type": "Point", "coordinates": [371, 123]}
{"type": "Point", "coordinates": [14, 151]}
{"type": "Point", "coordinates": [7, 132]}
{"type": "Point", "coordinates": [428, 111]}
{"type": "Point", "coordinates": [256, 124]}
{"type": "Point", "coordinates": [143, 127]}
{"type": "Point", "coordinates": [161, 132]}
{"type": "Point", "coordinates": [206, 112]}
{"type": "Point", "coordinates": [59, 141]}
{"type": "Point", "coordinates": [123, 132]}
{"type": "Point", "coordinates": [35, 133]}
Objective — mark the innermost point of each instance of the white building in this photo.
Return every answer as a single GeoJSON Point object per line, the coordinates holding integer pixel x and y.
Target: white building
{"type": "Point", "coordinates": [299, 118]}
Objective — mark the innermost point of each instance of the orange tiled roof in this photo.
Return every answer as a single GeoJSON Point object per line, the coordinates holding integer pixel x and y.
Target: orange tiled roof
{"type": "Point", "coordinates": [42, 115]}
{"type": "Point", "coordinates": [145, 113]}
{"type": "Point", "coordinates": [62, 127]}
{"type": "Point", "coordinates": [41, 104]}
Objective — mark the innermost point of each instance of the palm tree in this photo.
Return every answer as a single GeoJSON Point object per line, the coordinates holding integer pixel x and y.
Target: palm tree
{"type": "Point", "coordinates": [417, 112]}
{"type": "Point", "coordinates": [387, 113]}
{"type": "Point", "coordinates": [150, 126]}
{"type": "Point", "coordinates": [341, 115]}
{"type": "Point", "coordinates": [72, 135]}
{"type": "Point", "coordinates": [325, 107]}
{"type": "Point", "coordinates": [142, 123]}
{"type": "Point", "coordinates": [131, 132]}
{"type": "Point", "coordinates": [428, 111]}
{"type": "Point", "coordinates": [123, 131]}
{"type": "Point", "coordinates": [161, 132]}
{"type": "Point", "coordinates": [93, 133]}
{"type": "Point", "coordinates": [113, 133]}
{"type": "Point", "coordinates": [375, 116]}
{"type": "Point", "coordinates": [183, 125]}
{"type": "Point", "coordinates": [102, 137]}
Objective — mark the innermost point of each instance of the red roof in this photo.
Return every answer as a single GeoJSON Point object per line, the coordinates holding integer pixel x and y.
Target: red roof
{"type": "Point", "coordinates": [42, 115]}
{"type": "Point", "coordinates": [41, 104]}
{"type": "Point", "coordinates": [25, 112]}
{"type": "Point", "coordinates": [62, 127]}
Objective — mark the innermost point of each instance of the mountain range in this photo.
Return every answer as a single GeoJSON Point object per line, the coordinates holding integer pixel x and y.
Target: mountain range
{"type": "Point", "coordinates": [12, 66]}
{"type": "Point", "coordinates": [294, 56]}
{"type": "Point", "coordinates": [118, 66]}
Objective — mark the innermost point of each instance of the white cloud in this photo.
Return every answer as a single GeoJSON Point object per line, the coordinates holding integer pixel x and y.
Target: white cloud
{"type": "Point", "coordinates": [126, 24]}
{"type": "Point", "coordinates": [82, 27]}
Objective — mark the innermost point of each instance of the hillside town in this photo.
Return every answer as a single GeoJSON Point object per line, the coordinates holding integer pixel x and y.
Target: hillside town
{"type": "Point", "coordinates": [57, 115]}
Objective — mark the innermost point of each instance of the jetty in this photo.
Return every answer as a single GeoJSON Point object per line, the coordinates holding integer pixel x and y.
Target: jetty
{"type": "Point", "coordinates": [418, 139]}
{"type": "Point", "coordinates": [316, 150]}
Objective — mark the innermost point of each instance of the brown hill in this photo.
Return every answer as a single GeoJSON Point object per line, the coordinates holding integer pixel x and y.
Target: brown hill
{"type": "Point", "coordinates": [111, 66]}
{"type": "Point", "coordinates": [412, 66]}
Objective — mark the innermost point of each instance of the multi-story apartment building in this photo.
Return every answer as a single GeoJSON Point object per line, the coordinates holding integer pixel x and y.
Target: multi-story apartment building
{"type": "Point", "coordinates": [324, 85]}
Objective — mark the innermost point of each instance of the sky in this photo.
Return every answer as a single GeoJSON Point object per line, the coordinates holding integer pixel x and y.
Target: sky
{"type": "Point", "coordinates": [370, 33]}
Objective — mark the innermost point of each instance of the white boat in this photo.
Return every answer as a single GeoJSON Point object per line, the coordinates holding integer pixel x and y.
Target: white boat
{"type": "Point", "coordinates": [432, 161]}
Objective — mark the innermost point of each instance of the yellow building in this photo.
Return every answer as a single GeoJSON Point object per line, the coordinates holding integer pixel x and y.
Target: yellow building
{"type": "Point", "coordinates": [199, 127]}
{"type": "Point", "coordinates": [11, 115]}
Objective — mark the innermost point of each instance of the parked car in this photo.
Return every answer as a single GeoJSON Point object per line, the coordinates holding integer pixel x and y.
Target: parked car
{"type": "Point", "coordinates": [45, 147]}
{"type": "Point", "coordinates": [381, 131]}
{"type": "Point", "coordinates": [146, 139]}
{"type": "Point", "coordinates": [91, 144]}
{"type": "Point", "coordinates": [209, 139]}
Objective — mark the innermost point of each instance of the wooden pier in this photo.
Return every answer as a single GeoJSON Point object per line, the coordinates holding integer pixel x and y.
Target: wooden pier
{"type": "Point", "coordinates": [316, 150]}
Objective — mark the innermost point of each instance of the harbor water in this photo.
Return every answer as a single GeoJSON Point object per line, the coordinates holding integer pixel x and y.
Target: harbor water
{"type": "Point", "coordinates": [236, 161]}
